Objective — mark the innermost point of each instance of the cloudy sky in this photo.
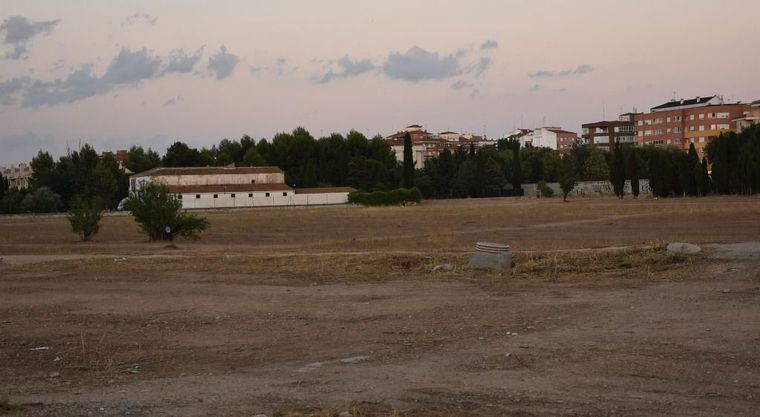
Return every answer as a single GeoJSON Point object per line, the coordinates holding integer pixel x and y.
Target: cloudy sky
{"type": "Point", "coordinates": [150, 72]}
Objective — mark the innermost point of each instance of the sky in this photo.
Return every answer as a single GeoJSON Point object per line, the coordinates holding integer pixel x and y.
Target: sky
{"type": "Point", "coordinates": [116, 74]}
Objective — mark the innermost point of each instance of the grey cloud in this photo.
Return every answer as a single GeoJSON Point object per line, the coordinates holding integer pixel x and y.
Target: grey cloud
{"type": "Point", "coordinates": [483, 64]}
{"type": "Point", "coordinates": [9, 89]}
{"type": "Point", "coordinates": [534, 88]}
{"type": "Point", "coordinates": [128, 69]}
{"type": "Point", "coordinates": [139, 17]}
{"type": "Point", "coordinates": [580, 69]}
{"type": "Point", "coordinates": [461, 84]}
{"type": "Point", "coordinates": [348, 68]}
{"type": "Point", "coordinates": [417, 64]}
{"type": "Point", "coordinates": [132, 67]}
{"type": "Point", "coordinates": [222, 63]}
{"type": "Point", "coordinates": [181, 62]}
{"type": "Point", "coordinates": [79, 85]}
{"type": "Point", "coordinates": [172, 101]}
{"type": "Point", "coordinates": [19, 32]}
{"type": "Point", "coordinates": [489, 44]}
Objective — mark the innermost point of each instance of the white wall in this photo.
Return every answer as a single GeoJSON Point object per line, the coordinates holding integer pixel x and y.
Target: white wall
{"type": "Point", "coordinates": [260, 199]}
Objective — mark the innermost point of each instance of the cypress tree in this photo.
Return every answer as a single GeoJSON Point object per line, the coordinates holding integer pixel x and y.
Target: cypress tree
{"type": "Point", "coordinates": [617, 170]}
{"type": "Point", "coordinates": [633, 171]}
{"type": "Point", "coordinates": [408, 174]}
{"type": "Point", "coordinates": [516, 179]}
{"type": "Point", "coordinates": [706, 180]}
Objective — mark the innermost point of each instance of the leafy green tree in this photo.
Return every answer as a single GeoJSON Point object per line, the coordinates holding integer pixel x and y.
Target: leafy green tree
{"type": "Point", "coordinates": [138, 160]}
{"type": "Point", "coordinates": [595, 167]}
{"type": "Point", "coordinates": [159, 214]}
{"type": "Point", "coordinates": [408, 162]}
{"type": "Point", "coordinates": [84, 217]}
{"type": "Point", "coordinates": [568, 176]}
{"type": "Point", "coordinates": [181, 155]}
{"type": "Point", "coordinates": [43, 167]}
{"type": "Point", "coordinates": [41, 200]}
{"type": "Point", "coordinates": [253, 158]}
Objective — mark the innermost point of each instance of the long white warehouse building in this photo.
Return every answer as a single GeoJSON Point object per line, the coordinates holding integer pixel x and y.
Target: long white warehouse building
{"type": "Point", "coordinates": [229, 186]}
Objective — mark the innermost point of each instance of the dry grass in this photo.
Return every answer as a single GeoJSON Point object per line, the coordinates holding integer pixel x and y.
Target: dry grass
{"type": "Point", "coordinates": [362, 266]}
{"type": "Point", "coordinates": [369, 409]}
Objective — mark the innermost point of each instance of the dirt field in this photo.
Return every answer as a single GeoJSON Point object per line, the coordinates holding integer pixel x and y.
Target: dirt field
{"type": "Point", "coordinates": [320, 311]}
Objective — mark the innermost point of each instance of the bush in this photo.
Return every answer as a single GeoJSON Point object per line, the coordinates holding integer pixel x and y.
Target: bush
{"type": "Point", "coordinates": [544, 189]}
{"type": "Point", "coordinates": [158, 212]}
{"type": "Point", "coordinates": [386, 198]}
{"type": "Point", "coordinates": [41, 200]}
{"type": "Point", "coordinates": [84, 217]}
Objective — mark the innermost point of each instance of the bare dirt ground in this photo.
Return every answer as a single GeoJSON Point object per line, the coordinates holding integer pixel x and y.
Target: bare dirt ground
{"type": "Point", "coordinates": [322, 311]}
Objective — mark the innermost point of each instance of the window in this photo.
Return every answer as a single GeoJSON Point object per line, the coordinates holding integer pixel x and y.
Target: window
{"type": "Point", "coordinates": [232, 195]}
{"type": "Point", "coordinates": [657, 121]}
{"type": "Point", "coordinates": [677, 130]}
{"type": "Point", "coordinates": [602, 139]}
{"type": "Point", "coordinates": [250, 195]}
{"type": "Point", "coordinates": [648, 122]}
{"type": "Point", "coordinates": [691, 128]}
{"type": "Point", "coordinates": [658, 132]}
{"type": "Point", "coordinates": [676, 118]}
{"type": "Point", "coordinates": [216, 196]}
{"type": "Point", "coordinates": [179, 196]}
{"type": "Point", "coordinates": [267, 194]}
{"type": "Point", "coordinates": [197, 196]}
{"type": "Point", "coordinates": [668, 119]}
{"type": "Point", "coordinates": [701, 128]}
{"type": "Point", "coordinates": [701, 139]}
{"type": "Point", "coordinates": [253, 181]}
{"type": "Point", "coordinates": [285, 194]}
{"type": "Point", "coordinates": [723, 127]}
{"type": "Point", "coordinates": [640, 123]}
{"type": "Point", "coordinates": [701, 116]}
{"type": "Point", "coordinates": [722, 115]}
{"type": "Point", "coordinates": [691, 117]}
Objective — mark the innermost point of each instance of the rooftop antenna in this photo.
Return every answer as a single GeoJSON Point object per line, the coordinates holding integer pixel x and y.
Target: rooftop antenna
{"type": "Point", "coordinates": [604, 113]}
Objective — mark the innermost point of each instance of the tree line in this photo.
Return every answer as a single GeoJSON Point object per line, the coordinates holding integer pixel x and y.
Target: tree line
{"type": "Point", "coordinates": [370, 165]}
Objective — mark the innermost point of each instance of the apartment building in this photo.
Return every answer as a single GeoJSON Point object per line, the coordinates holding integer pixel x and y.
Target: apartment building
{"type": "Point", "coordinates": [749, 118]}
{"type": "Point", "coordinates": [679, 123]}
{"type": "Point", "coordinates": [548, 137]}
{"type": "Point", "coordinates": [18, 176]}
{"type": "Point", "coordinates": [604, 134]}
{"type": "Point", "coordinates": [426, 145]}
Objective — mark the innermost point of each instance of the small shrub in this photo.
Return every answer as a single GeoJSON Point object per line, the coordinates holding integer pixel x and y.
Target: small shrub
{"type": "Point", "coordinates": [41, 200]}
{"type": "Point", "coordinates": [84, 217]}
{"type": "Point", "coordinates": [386, 198]}
{"type": "Point", "coordinates": [158, 212]}
{"type": "Point", "coordinates": [544, 189]}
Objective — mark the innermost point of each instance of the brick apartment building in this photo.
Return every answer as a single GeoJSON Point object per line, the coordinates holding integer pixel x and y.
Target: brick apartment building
{"type": "Point", "coordinates": [678, 123]}
{"type": "Point", "coordinates": [605, 133]}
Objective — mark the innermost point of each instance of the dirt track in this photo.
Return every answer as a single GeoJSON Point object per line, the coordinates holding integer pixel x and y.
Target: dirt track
{"type": "Point", "coordinates": [212, 329]}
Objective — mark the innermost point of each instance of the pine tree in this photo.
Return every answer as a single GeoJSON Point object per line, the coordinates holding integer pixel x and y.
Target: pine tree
{"type": "Point", "coordinates": [408, 175]}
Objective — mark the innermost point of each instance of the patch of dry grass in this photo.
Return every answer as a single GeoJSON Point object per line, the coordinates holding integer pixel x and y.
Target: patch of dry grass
{"type": "Point", "coordinates": [363, 266]}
